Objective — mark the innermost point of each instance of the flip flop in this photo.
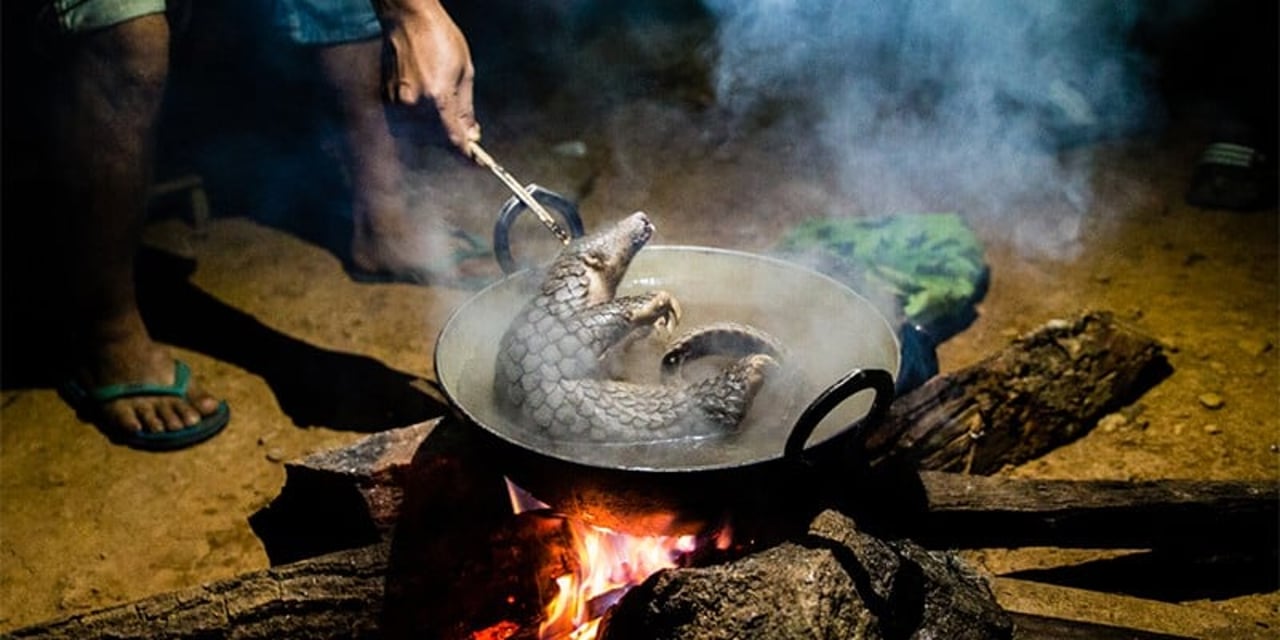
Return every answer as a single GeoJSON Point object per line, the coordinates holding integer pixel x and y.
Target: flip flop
{"type": "Point", "coordinates": [89, 402]}
{"type": "Point", "coordinates": [1234, 177]}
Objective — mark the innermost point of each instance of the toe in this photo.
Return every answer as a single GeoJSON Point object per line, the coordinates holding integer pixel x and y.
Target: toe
{"type": "Point", "coordinates": [188, 414]}
{"type": "Point", "coordinates": [170, 415]}
{"type": "Point", "coordinates": [124, 416]}
{"type": "Point", "coordinates": [151, 421]}
{"type": "Point", "coordinates": [200, 401]}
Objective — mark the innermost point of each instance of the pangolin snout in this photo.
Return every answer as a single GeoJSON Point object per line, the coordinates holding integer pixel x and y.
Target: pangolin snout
{"type": "Point", "coordinates": [639, 227]}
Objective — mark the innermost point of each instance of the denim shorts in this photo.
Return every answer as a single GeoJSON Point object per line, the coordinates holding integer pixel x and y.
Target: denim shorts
{"type": "Point", "coordinates": [312, 22]}
{"type": "Point", "coordinates": [306, 22]}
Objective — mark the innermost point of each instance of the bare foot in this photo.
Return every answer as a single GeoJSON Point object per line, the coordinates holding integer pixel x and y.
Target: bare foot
{"type": "Point", "coordinates": [138, 360]}
{"type": "Point", "coordinates": [435, 255]}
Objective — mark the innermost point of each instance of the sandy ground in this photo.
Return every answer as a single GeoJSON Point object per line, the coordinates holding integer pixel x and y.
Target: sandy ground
{"type": "Point", "coordinates": [309, 359]}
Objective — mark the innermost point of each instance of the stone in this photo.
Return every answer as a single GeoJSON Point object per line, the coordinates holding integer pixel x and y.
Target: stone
{"type": "Point", "coordinates": [1112, 422]}
{"type": "Point", "coordinates": [1211, 400]}
{"type": "Point", "coordinates": [1253, 346]}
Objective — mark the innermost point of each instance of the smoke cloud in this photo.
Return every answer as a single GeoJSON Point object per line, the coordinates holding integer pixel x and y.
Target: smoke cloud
{"type": "Point", "coordinates": [947, 103]}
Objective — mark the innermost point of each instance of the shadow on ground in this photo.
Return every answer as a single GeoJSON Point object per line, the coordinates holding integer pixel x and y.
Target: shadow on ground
{"type": "Point", "coordinates": [1169, 575]}
{"type": "Point", "coordinates": [314, 386]}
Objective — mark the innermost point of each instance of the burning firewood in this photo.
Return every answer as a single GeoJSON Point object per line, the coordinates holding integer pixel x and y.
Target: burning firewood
{"type": "Point", "coordinates": [834, 582]}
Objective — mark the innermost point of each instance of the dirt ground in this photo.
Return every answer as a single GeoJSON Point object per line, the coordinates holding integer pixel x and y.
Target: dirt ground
{"type": "Point", "coordinates": [309, 359]}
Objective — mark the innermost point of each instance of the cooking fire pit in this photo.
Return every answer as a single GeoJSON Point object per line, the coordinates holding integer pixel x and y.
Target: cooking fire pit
{"type": "Point", "coordinates": [424, 538]}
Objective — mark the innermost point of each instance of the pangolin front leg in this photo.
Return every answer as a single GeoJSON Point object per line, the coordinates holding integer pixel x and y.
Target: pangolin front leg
{"type": "Point", "coordinates": [655, 310]}
{"type": "Point", "coordinates": [615, 325]}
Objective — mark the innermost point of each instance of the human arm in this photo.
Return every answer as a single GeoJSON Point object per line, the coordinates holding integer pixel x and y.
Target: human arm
{"type": "Point", "coordinates": [431, 65]}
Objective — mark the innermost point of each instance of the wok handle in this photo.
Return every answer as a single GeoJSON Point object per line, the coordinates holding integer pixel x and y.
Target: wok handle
{"type": "Point", "coordinates": [552, 201]}
{"type": "Point", "coordinates": [878, 380]}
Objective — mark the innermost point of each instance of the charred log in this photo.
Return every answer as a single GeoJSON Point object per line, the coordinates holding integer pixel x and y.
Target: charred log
{"type": "Point", "coordinates": [834, 582]}
{"type": "Point", "coordinates": [1042, 391]}
{"type": "Point", "coordinates": [1064, 613]}
{"type": "Point", "coordinates": [342, 498]}
{"type": "Point", "coordinates": [951, 510]}
{"type": "Point", "coordinates": [381, 591]}
{"type": "Point", "coordinates": [334, 596]}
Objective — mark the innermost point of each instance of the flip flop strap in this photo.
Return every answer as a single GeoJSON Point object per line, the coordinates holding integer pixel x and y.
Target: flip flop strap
{"type": "Point", "coordinates": [1225, 153]}
{"type": "Point", "coordinates": [181, 377]}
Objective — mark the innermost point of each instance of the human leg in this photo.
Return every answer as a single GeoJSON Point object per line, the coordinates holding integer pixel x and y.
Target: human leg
{"type": "Point", "coordinates": [384, 238]}
{"type": "Point", "coordinates": [104, 127]}
{"type": "Point", "coordinates": [395, 237]}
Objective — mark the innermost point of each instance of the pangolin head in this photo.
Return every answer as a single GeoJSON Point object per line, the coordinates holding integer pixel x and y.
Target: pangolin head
{"type": "Point", "coordinates": [603, 257]}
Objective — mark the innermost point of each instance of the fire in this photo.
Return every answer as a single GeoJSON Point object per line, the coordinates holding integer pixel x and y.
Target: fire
{"type": "Point", "coordinates": [609, 564]}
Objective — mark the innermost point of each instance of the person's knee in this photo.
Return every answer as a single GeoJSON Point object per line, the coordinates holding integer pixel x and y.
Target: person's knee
{"type": "Point", "coordinates": [134, 55]}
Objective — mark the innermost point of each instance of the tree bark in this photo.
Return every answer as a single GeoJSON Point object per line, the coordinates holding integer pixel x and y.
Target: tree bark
{"type": "Point", "coordinates": [1042, 391]}
{"type": "Point", "coordinates": [959, 511]}
{"type": "Point", "coordinates": [333, 596]}
{"type": "Point", "coordinates": [346, 497]}
{"type": "Point", "coordinates": [833, 582]}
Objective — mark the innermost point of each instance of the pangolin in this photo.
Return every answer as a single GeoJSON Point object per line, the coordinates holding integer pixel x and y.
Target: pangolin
{"type": "Point", "coordinates": [550, 367]}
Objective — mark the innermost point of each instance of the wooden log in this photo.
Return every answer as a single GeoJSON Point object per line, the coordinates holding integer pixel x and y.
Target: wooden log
{"type": "Point", "coordinates": [1042, 391]}
{"type": "Point", "coordinates": [833, 582]}
{"type": "Point", "coordinates": [440, 582]}
{"type": "Point", "coordinates": [1033, 627]}
{"type": "Point", "coordinates": [346, 497]}
{"type": "Point", "coordinates": [1050, 611]}
{"type": "Point", "coordinates": [834, 577]}
{"type": "Point", "coordinates": [334, 596]}
{"type": "Point", "coordinates": [950, 510]}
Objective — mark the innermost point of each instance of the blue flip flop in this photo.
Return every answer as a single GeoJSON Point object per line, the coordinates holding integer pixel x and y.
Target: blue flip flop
{"type": "Point", "coordinates": [88, 403]}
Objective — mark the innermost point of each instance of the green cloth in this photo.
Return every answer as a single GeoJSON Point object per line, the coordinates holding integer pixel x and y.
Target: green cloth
{"type": "Point", "coordinates": [932, 263]}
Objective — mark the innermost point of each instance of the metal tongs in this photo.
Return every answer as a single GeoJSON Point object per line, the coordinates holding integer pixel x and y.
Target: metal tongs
{"type": "Point", "coordinates": [520, 192]}
{"type": "Point", "coordinates": [529, 197]}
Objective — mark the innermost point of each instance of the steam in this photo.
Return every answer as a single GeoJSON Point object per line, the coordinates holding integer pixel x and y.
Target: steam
{"type": "Point", "coordinates": [944, 104]}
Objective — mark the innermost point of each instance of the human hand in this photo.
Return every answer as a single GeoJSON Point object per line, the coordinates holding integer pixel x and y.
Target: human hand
{"type": "Point", "coordinates": [431, 65]}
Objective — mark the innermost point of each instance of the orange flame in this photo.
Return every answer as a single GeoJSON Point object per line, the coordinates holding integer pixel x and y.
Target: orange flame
{"type": "Point", "coordinates": [609, 564]}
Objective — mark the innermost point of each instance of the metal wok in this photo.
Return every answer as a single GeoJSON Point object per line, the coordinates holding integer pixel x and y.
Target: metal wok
{"type": "Point", "coordinates": [845, 352]}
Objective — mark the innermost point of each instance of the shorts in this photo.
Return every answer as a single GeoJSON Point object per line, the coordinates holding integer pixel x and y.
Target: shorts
{"type": "Point", "coordinates": [304, 22]}
{"type": "Point", "coordinates": [80, 16]}
{"type": "Point", "coordinates": [320, 22]}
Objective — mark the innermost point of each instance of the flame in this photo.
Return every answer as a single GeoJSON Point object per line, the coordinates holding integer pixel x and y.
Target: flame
{"type": "Point", "coordinates": [609, 564]}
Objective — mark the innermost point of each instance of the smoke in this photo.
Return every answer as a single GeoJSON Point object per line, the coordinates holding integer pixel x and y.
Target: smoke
{"type": "Point", "coordinates": [947, 103]}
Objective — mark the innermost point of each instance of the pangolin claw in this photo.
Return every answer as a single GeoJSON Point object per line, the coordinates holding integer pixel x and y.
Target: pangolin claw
{"type": "Point", "coordinates": [671, 316]}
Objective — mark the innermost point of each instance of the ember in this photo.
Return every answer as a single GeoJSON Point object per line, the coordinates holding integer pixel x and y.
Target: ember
{"type": "Point", "coordinates": [500, 631]}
